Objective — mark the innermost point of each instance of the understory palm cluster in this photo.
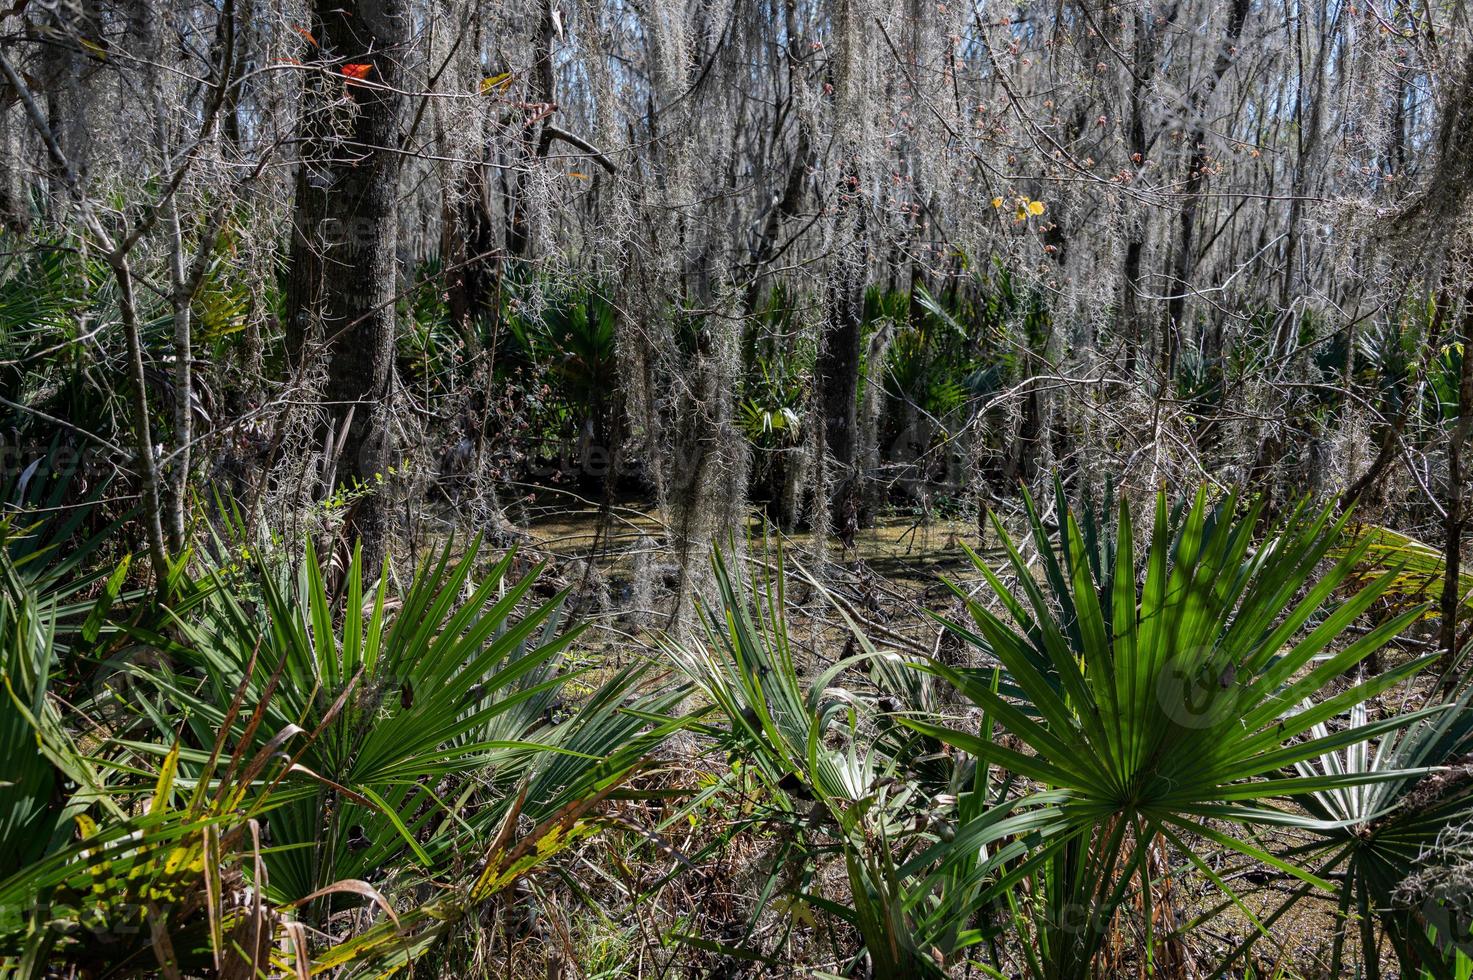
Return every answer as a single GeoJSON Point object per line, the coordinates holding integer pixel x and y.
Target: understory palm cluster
{"type": "Point", "coordinates": [1150, 748]}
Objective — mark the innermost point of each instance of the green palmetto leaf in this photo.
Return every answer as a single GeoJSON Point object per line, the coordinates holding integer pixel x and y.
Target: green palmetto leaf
{"type": "Point", "coordinates": [1372, 834]}
{"type": "Point", "coordinates": [27, 822]}
{"type": "Point", "coordinates": [1159, 701]}
{"type": "Point", "coordinates": [425, 709]}
{"type": "Point", "coordinates": [834, 767]}
{"type": "Point", "coordinates": [1420, 568]}
{"type": "Point", "coordinates": [150, 849]}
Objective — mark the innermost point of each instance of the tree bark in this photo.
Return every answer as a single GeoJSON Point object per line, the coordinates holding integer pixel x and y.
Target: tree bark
{"type": "Point", "coordinates": [1456, 522]}
{"type": "Point", "coordinates": [342, 282]}
{"type": "Point", "coordinates": [535, 135]}
{"type": "Point", "coordinates": [15, 211]}
{"type": "Point", "coordinates": [836, 371]}
{"type": "Point", "coordinates": [1143, 73]}
{"type": "Point", "coordinates": [1196, 182]}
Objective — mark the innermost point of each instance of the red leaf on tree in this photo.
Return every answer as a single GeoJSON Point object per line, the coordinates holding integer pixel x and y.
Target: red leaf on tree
{"type": "Point", "coordinates": [356, 72]}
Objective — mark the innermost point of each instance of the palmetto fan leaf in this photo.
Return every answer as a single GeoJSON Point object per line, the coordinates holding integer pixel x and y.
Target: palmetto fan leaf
{"type": "Point", "coordinates": [426, 711]}
{"type": "Point", "coordinates": [778, 720]}
{"type": "Point", "coordinates": [47, 544]}
{"type": "Point", "coordinates": [1374, 835]}
{"type": "Point", "coordinates": [1420, 567]}
{"type": "Point", "coordinates": [926, 836]}
{"type": "Point", "coordinates": [1154, 704]}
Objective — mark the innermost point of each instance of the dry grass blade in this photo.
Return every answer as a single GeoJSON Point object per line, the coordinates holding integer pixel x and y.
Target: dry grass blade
{"type": "Point", "coordinates": [296, 935]}
{"type": "Point", "coordinates": [351, 886]}
{"type": "Point", "coordinates": [163, 946]}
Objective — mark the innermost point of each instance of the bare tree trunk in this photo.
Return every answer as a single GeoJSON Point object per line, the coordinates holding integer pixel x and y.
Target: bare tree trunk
{"type": "Point", "coordinates": [1304, 169]}
{"type": "Point", "coordinates": [15, 211]}
{"type": "Point", "coordinates": [1456, 522]}
{"type": "Point", "coordinates": [470, 257]}
{"type": "Point", "coordinates": [181, 297]}
{"type": "Point", "coordinates": [1142, 72]}
{"type": "Point", "coordinates": [836, 371]}
{"type": "Point", "coordinates": [186, 272]}
{"type": "Point", "coordinates": [518, 237]}
{"type": "Point", "coordinates": [1195, 183]}
{"type": "Point", "coordinates": [148, 467]}
{"type": "Point", "coordinates": [343, 272]}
